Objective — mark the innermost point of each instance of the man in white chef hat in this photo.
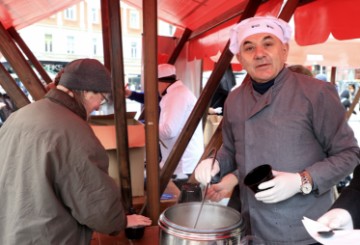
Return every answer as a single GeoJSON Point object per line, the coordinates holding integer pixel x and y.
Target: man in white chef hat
{"type": "Point", "coordinates": [176, 104]}
{"type": "Point", "coordinates": [289, 120]}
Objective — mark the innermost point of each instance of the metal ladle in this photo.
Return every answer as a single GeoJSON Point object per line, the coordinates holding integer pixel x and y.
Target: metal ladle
{"type": "Point", "coordinates": [205, 191]}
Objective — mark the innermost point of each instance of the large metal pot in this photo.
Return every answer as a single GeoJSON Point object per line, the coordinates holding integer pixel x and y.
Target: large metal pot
{"type": "Point", "coordinates": [217, 224]}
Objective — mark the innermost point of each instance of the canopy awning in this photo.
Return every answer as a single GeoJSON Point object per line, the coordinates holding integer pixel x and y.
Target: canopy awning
{"type": "Point", "coordinates": [22, 13]}
{"type": "Point", "coordinates": [210, 21]}
{"type": "Point", "coordinates": [314, 22]}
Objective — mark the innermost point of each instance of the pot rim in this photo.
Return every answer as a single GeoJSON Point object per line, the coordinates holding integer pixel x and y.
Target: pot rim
{"type": "Point", "coordinates": [166, 224]}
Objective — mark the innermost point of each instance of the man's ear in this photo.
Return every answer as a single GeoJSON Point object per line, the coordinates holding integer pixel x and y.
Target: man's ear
{"type": "Point", "coordinates": [238, 57]}
{"type": "Point", "coordinates": [286, 48]}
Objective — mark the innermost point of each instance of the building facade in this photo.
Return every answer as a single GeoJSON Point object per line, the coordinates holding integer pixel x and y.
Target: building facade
{"type": "Point", "coordinates": [76, 33]}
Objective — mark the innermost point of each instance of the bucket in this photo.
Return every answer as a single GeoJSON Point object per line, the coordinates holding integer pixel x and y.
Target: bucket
{"type": "Point", "coordinates": [217, 224]}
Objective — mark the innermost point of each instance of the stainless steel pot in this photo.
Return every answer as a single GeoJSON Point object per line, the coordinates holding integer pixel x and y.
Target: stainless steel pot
{"type": "Point", "coordinates": [217, 224]}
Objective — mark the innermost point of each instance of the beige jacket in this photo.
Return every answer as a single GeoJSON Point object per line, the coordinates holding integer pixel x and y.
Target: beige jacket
{"type": "Point", "coordinates": [54, 185]}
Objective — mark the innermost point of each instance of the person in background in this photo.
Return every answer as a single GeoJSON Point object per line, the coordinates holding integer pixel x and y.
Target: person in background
{"type": "Point", "coordinates": [347, 97]}
{"type": "Point", "coordinates": [171, 121]}
{"type": "Point", "coordinates": [133, 95]}
{"type": "Point", "coordinates": [321, 77]}
{"type": "Point", "coordinates": [137, 96]}
{"type": "Point", "coordinates": [293, 122]}
{"type": "Point", "coordinates": [140, 98]}
{"type": "Point", "coordinates": [54, 182]}
{"type": "Point", "coordinates": [227, 82]}
{"type": "Point", "coordinates": [300, 69]}
{"type": "Point", "coordinates": [7, 106]}
{"type": "Point", "coordinates": [345, 212]}
{"type": "Point", "coordinates": [352, 91]}
{"type": "Point", "coordinates": [176, 104]}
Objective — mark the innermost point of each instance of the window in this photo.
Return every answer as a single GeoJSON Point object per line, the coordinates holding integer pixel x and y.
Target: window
{"type": "Point", "coordinates": [171, 30]}
{"type": "Point", "coordinates": [94, 41]}
{"type": "Point", "coordinates": [48, 43]}
{"type": "Point", "coordinates": [94, 15]}
{"type": "Point", "coordinates": [70, 45]}
{"type": "Point", "coordinates": [133, 50]}
{"type": "Point", "coordinates": [134, 19]}
{"type": "Point", "coordinates": [70, 13]}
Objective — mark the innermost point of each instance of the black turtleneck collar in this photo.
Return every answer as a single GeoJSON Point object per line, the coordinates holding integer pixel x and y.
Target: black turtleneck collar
{"type": "Point", "coordinates": [261, 88]}
{"type": "Point", "coordinates": [62, 98]}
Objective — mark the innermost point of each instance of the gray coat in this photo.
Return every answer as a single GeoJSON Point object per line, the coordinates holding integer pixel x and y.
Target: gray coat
{"type": "Point", "coordinates": [54, 185]}
{"type": "Point", "coordinates": [299, 123]}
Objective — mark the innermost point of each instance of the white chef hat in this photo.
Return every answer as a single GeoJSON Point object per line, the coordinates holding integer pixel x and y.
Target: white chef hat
{"type": "Point", "coordinates": [166, 70]}
{"type": "Point", "coordinates": [255, 25]}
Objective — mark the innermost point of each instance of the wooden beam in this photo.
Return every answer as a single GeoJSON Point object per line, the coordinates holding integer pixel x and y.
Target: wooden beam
{"type": "Point", "coordinates": [234, 12]}
{"type": "Point", "coordinates": [304, 2]}
{"type": "Point", "coordinates": [12, 89]}
{"type": "Point", "coordinates": [333, 75]}
{"type": "Point", "coordinates": [214, 143]}
{"type": "Point", "coordinates": [25, 73]}
{"type": "Point", "coordinates": [117, 77]}
{"type": "Point", "coordinates": [179, 46]}
{"type": "Point", "coordinates": [289, 10]}
{"type": "Point", "coordinates": [201, 105]}
{"type": "Point", "coordinates": [37, 65]}
{"type": "Point", "coordinates": [151, 109]}
{"type": "Point", "coordinates": [105, 33]}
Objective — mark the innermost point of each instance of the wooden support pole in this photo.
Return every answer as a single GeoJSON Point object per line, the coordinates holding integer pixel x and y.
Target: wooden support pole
{"type": "Point", "coordinates": [151, 109]}
{"type": "Point", "coordinates": [179, 46]}
{"type": "Point", "coordinates": [289, 10]}
{"type": "Point", "coordinates": [232, 13]}
{"type": "Point", "coordinates": [105, 33]}
{"type": "Point", "coordinates": [15, 58]}
{"type": "Point", "coordinates": [12, 89]}
{"type": "Point", "coordinates": [117, 77]}
{"type": "Point", "coordinates": [37, 65]}
{"type": "Point", "coordinates": [333, 75]}
{"type": "Point", "coordinates": [214, 143]}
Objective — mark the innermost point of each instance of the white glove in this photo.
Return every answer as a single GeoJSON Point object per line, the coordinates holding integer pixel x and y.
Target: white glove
{"type": "Point", "coordinates": [337, 218]}
{"type": "Point", "coordinates": [283, 186]}
{"type": "Point", "coordinates": [218, 110]}
{"type": "Point", "coordinates": [204, 170]}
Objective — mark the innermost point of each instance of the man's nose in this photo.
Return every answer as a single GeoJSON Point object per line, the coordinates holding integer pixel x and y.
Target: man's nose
{"type": "Point", "coordinates": [259, 53]}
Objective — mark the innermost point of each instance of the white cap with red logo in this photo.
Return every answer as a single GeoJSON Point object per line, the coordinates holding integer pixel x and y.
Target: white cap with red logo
{"type": "Point", "coordinates": [258, 24]}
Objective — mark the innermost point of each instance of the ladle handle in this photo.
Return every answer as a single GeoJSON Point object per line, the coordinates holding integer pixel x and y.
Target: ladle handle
{"type": "Point", "coordinates": [206, 188]}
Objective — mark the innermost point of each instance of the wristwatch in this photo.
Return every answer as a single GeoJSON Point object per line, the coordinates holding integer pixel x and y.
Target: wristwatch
{"type": "Point", "coordinates": [306, 185]}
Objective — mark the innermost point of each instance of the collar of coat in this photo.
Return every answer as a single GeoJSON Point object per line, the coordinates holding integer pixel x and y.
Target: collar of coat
{"type": "Point", "coordinates": [62, 98]}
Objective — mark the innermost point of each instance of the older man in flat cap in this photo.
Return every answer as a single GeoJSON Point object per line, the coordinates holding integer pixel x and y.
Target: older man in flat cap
{"type": "Point", "coordinates": [54, 182]}
{"type": "Point", "coordinates": [291, 121]}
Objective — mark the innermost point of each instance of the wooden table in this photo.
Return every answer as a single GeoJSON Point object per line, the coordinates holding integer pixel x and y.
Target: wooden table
{"type": "Point", "coordinates": [151, 237]}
